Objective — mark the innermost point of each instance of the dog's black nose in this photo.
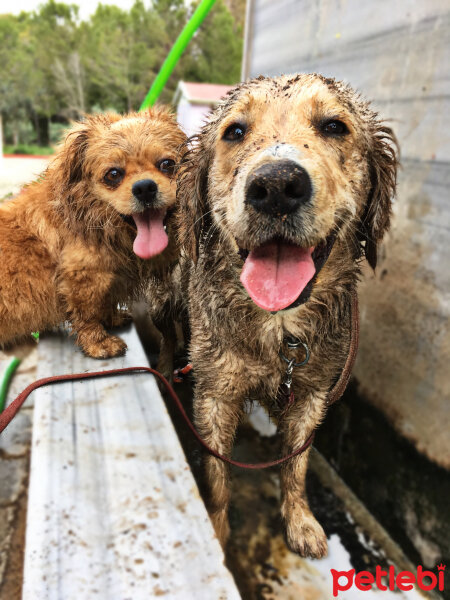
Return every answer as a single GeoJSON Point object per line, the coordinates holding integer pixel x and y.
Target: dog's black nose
{"type": "Point", "coordinates": [145, 191]}
{"type": "Point", "coordinates": [278, 187]}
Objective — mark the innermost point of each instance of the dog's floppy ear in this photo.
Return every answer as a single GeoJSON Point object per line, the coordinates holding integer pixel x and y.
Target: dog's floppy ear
{"type": "Point", "coordinates": [69, 163]}
{"type": "Point", "coordinates": [383, 162]}
{"type": "Point", "coordinates": [192, 192]}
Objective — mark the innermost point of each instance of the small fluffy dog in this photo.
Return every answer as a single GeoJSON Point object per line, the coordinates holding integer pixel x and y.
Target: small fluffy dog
{"type": "Point", "coordinates": [89, 234]}
{"type": "Point", "coordinates": [289, 184]}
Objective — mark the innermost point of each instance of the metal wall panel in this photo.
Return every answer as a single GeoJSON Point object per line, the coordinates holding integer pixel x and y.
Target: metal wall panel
{"type": "Point", "coordinates": [397, 55]}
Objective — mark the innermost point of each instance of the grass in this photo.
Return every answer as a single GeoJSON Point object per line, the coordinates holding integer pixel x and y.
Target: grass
{"type": "Point", "coordinates": [28, 149]}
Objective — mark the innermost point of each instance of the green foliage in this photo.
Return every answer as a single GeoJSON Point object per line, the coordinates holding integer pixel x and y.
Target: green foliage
{"type": "Point", "coordinates": [216, 51]}
{"type": "Point", "coordinates": [54, 67]}
{"type": "Point", "coordinates": [28, 149]}
{"type": "Point", "coordinates": [14, 65]}
{"type": "Point", "coordinates": [237, 9]}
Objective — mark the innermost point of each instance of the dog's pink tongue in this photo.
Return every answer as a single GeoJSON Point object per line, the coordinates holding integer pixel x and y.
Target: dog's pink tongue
{"type": "Point", "coordinates": [151, 237]}
{"type": "Point", "coordinates": [276, 273]}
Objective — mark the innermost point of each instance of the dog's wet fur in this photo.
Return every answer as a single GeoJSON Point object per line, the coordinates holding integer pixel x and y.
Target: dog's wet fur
{"type": "Point", "coordinates": [66, 242]}
{"type": "Point", "coordinates": [345, 158]}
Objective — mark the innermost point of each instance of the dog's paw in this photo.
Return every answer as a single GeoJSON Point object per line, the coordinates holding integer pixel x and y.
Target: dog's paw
{"type": "Point", "coordinates": [305, 535]}
{"type": "Point", "coordinates": [108, 347]}
{"type": "Point", "coordinates": [221, 526]}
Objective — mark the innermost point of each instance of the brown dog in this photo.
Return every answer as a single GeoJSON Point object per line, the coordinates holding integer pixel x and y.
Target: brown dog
{"type": "Point", "coordinates": [290, 182]}
{"type": "Point", "coordinates": [66, 242]}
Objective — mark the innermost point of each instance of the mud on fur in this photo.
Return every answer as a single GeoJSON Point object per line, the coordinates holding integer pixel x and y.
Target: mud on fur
{"type": "Point", "coordinates": [287, 187]}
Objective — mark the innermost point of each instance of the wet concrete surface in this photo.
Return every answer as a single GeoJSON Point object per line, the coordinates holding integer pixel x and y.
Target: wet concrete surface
{"type": "Point", "coordinates": [406, 491]}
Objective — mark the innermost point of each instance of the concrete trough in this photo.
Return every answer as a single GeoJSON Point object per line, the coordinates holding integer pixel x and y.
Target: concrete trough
{"type": "Point", "coordinates": [113, 509]}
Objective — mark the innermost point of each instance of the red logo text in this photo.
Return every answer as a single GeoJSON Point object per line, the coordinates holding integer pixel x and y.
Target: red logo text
{"type": "Point", "coordinates": [404, 580]}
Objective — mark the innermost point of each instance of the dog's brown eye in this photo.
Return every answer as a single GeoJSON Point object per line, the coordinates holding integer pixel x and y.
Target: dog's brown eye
{"type": "Point", "coordinates": [334, 127]}
{"type": "Point", "coordinates": [114, 176]}
{"type": "Point", "coordinates": [234, 132]}
{"type": "Point", "coordinates": [167, 166]}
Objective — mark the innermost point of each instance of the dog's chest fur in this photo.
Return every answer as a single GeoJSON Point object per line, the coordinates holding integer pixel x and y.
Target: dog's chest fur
{"type": "Point", "coordinates": [246, 341]}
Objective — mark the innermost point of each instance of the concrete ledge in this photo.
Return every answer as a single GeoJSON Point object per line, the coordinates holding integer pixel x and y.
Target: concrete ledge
{"type": "Point", "coordinates": [113, 510]}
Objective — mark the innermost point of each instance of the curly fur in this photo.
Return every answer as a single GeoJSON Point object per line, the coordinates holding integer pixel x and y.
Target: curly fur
{"type": "Point", "coordinates": [235, 345]}
{"type": "Point", "coordinates": [65, 246]}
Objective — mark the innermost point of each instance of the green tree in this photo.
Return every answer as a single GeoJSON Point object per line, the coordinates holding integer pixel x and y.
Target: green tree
{"type": "Point", "coordinates": [56, 67]}
{"type": "Point", "coordinates": [216, 51]}
{"type": "Point", "coordinates": [14, 70]}
{"type": "Point", "coordinates": [106, 57]}
{"type": "Point", "coordinates": [237, 9]}
{"type": "Point", "coordinates": [122, 52]}
{"type": "Point", "coordinates": [55, 80]}
{"type": "Point", "coordinates": [174, 14]}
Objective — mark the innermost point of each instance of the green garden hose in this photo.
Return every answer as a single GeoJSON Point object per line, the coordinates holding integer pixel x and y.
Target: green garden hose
{"type": "Point", "coordinates": [6, 379]}
{"type": "Point", "coordinates": [177, 50]}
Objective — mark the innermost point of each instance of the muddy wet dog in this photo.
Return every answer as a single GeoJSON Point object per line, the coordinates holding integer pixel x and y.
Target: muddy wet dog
{"type": "Point", "coordinates": [91, 233]}
{"type": "Point", "coordinates": [288, 186]}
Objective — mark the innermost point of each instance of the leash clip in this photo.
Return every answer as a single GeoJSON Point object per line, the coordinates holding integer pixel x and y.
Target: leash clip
{"type": "Point", "coordinates": [285, 397]}
{"type": "Point", "coordinates": [293, 343]}
{"type": "Point", "coordinates": [288, 379]}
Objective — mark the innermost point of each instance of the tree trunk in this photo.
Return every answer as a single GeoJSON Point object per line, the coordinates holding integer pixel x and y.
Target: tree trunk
{"type": "Point", "coordinates": [42, 128]}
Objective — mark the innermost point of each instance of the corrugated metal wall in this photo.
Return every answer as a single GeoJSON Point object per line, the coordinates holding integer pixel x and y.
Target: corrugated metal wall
{"type": "Point", "coordinates": [397, 55]}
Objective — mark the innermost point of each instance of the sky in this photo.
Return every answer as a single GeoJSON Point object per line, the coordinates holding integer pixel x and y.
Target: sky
{"type": "Point", "coordinates": [87, 7]}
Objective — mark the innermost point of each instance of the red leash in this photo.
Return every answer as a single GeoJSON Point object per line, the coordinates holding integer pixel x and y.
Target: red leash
{"type": "Point", "coordinates": [9, 413]}
{"type": "Point", "coordinates": [335, 393]}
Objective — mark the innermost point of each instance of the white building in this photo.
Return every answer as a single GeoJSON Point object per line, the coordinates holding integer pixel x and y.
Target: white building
{"type": "Point", "coordinates": [194, 101]}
